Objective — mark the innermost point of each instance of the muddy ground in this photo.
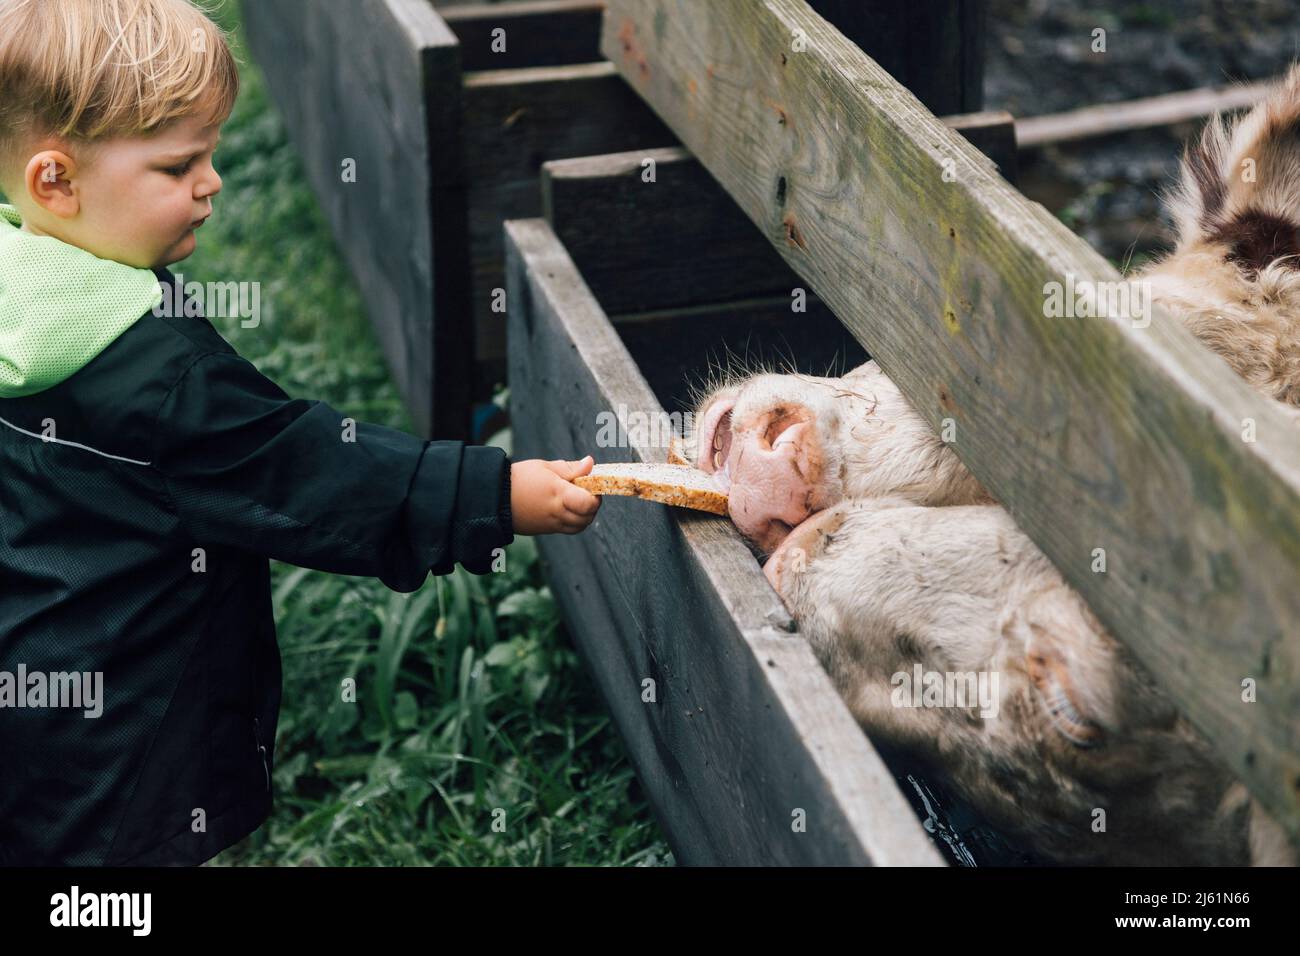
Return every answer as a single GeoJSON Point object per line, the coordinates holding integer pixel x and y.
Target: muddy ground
{"type": "Point", "coordinates": [1039, 59]}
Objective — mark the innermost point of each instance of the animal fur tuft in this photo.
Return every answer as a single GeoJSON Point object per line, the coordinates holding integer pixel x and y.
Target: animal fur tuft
{"type": "Point", "coordinates": [1234, 277]}
{"type": "Point", "coordinates": [1239, 183]}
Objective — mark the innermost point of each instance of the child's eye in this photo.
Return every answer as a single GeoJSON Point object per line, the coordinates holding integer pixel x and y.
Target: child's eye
{"type": "Point", "coordinates": [177, 171]}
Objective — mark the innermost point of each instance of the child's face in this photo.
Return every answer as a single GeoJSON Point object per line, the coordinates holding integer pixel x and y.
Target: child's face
{"type": "Point", "coordinates": [140, 199]}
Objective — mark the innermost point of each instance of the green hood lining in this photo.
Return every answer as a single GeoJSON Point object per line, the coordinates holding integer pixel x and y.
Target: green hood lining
{"type": "Point", "coordinates": [60, 306]}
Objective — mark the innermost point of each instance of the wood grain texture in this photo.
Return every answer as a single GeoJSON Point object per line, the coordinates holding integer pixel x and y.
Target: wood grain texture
{"type": "Point", "coordinates": [515, 120]}
{"type": "Point", "coordinates": [679, 239]}
{"type": "Point", "coordinates": [376, 81]}
{"type": "Point", "coordinates": [1094, 433]}
{"type": "Point", "coordinates": [748, 335]}
{"type": "Point", "coordinates": [747, 728]}
{"type": "Point", "coordinates": [537, 33]}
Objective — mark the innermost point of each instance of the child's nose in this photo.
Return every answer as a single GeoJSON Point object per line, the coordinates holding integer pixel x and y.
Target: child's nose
{"type": "Point", "coordinates": [210, 186]}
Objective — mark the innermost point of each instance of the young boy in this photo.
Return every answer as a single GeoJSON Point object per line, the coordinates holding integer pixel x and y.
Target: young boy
{"type": "Point", "coordinates": [147, 471]}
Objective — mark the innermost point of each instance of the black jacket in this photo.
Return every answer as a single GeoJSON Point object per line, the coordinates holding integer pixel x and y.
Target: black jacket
{"type": "Point", "coordinates": [135, 544]}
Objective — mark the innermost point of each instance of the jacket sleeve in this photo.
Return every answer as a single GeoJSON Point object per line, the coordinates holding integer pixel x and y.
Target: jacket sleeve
{"type": "Point", "coordinates": [247, 467]}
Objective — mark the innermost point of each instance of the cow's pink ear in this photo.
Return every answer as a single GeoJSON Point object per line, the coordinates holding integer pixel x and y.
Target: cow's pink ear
{"type": "Point", "coordinates": [867, 371]}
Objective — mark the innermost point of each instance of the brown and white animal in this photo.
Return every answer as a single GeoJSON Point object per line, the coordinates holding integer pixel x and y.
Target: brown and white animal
{"type": "Point", "coordinates": [1234, 276]}
{"type": "Point", "coordinates": [890, 554]}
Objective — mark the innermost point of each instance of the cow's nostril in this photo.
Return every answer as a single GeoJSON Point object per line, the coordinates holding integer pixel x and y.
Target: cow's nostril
{"type": "Point", "coordinates": [782, 429]}
{"type": "Point", "coordinates": [789, 436]}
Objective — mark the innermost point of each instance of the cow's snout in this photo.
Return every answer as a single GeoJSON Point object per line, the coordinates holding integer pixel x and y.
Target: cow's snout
{"type": "Point", "coordinates": [770, 461]}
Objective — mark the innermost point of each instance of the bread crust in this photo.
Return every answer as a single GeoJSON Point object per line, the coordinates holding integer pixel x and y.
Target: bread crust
{"type": "Point", "coordinates": [671, 484]}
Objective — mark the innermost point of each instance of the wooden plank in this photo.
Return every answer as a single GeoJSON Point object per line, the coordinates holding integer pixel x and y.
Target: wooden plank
{"type": "Point", "coordinates": [1095, 433]}
{"type": "Point", "coordinates": [1107, 119]}
{"type": "Point", "coordinates": [680, 240]}
{"type": "Point", "coordinates": [515, 120]}
{"type": "Point", "coordinates": [376, 81]}
{"type": "Point", "coordinates": [747, 729]}
{"type": "Point", "coordinates": [747, 334]}
{"type": "Point", "coordinates": [537, 33]}
{"type": "Point", "coordinates": [677, 241]}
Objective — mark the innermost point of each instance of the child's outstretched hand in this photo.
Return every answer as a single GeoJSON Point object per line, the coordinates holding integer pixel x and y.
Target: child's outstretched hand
{"type": "Point", "coordinates": [544, 500]}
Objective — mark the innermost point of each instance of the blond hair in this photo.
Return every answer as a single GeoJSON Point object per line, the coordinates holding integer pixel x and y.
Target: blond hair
{"type": "Point", "coordinates": [82, 71]}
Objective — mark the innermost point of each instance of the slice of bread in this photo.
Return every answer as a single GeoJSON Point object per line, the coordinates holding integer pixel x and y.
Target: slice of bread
{"type": "Point", "coordinates": [679, 485]}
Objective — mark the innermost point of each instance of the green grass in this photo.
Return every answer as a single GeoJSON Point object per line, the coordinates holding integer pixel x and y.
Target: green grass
{"type": "Point", "coordinates": [471, 704]}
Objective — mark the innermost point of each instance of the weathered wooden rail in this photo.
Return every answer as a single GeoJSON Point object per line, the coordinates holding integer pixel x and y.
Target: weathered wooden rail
{"type": "Point", "coordinates": [684, 241]}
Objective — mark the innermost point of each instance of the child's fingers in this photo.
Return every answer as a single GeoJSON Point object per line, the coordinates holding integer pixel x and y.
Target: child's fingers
{"type": "Point", "coordinates": [574, 525]}
{"type": "Point", "coordinates": [568, 470]}
{"type": "Point", "coordinates": [578, 501]}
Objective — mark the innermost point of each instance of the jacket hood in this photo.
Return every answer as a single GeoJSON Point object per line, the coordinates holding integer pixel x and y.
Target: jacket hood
{"type": "Point", "coordinates": [60, 306]}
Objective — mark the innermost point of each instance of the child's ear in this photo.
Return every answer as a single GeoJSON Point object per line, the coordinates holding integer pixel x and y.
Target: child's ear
{"type": "Point", "coordinates": [48, 178]}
